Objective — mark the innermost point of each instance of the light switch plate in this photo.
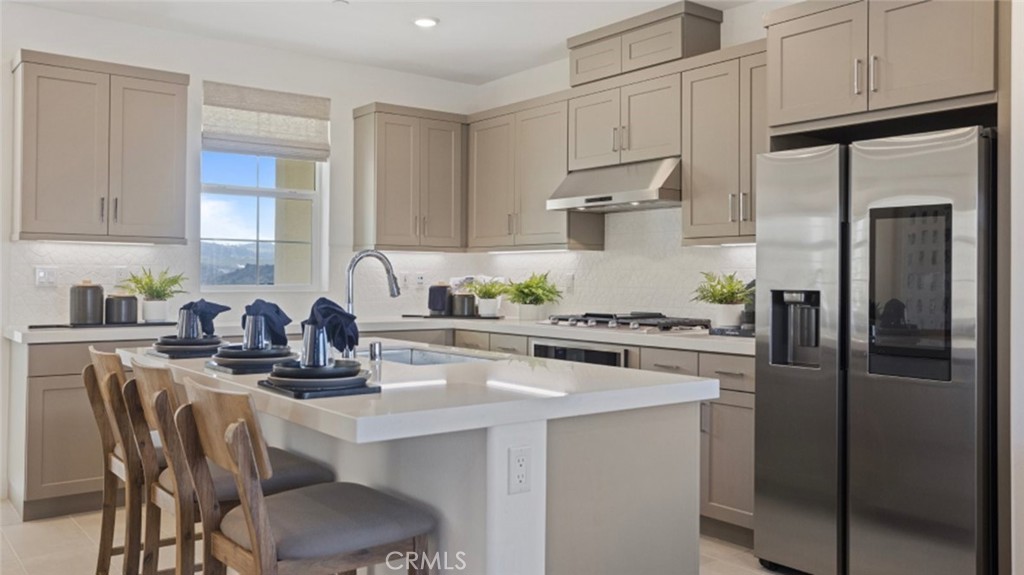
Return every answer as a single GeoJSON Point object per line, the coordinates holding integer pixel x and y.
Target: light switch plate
{"type": "Point", "coordinates": [46, 276]}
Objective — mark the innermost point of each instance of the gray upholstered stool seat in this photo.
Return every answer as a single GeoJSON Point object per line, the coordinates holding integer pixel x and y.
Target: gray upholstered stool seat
{"type": "Point", "coordinates": [331, 519]}
{"type": "Point", "coordinates": [290, 472]}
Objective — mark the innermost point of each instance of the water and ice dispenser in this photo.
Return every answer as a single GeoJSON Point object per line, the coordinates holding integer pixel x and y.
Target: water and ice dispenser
{"type": "Point", "coordinates": [795, 328]}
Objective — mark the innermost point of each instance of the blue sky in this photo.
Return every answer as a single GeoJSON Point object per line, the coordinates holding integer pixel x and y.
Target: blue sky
{"type": "Point", "coordinates": [232, 217]}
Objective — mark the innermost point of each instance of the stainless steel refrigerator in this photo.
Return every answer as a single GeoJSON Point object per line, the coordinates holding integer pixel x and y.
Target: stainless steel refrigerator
{"type": "Point", "coordinates": [872, 412]}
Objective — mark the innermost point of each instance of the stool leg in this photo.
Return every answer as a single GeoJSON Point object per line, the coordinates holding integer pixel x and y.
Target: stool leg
{"type": "Point", "coordinates": [133, 525]}
{"type": "Point", "coordinates": [185, 533]}
{"type": "Point", "coordinates": [151, 540]}
{"type": "Point", "coordinates": [110, 485]}
{"type": "Point", "coordinates": [419, 546]}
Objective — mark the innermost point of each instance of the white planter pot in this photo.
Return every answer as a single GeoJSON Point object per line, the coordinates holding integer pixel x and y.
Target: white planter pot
{"type": "Point", "coordinates": [533, 312]}
{"type": "Point", "coordinates": [155, 311]}
{"type": "Point", "coordinates": [727, 315]}
{"type": "Point", "coordinates": [488, 307]}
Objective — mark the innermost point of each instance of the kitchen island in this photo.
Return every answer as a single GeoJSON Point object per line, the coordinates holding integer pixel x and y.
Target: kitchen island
{"type": "Point", "coordinates": [606, 450]}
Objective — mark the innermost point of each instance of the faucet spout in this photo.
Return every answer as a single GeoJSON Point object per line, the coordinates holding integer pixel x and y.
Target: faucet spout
{"type": "Point", "coordinates": [393, 289]}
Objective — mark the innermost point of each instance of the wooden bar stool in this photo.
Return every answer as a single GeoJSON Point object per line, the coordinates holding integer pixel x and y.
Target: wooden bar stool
{"type": "Point", "coordinates": [121, 462]}
{"type": "Point", "coordinates": [151, 400]}
{"type": "Point", "coordinates": [319, 530]}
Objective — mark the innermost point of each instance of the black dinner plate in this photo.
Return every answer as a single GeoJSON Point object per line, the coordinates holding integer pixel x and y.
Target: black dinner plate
{"type": "Point", "coordinates": [236, 350]}
{"type": "Point", "coordinates": [341, 368]}
{"type": "Point", "coordinates": [357, 380]}
{"type": "Point", "coordinates": [172, 340]}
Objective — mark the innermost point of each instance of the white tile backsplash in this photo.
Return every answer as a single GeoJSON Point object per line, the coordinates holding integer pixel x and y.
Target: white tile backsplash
{"type": "Point", "coordinates": [642, 267]}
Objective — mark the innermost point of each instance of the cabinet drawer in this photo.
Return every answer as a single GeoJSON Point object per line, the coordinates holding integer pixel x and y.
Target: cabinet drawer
{"type": "Point", "coordinates": [472, 340]}
{"type": "Point", "coordinates": [69, 358]}
{"type": "Point", "coordinates": [734, 372]}
{"type": "Point", "coordinates": [652, 44]}
{"type": "Point", "coordinates": [516, 344]}
{"type": "Point", "coordinates": [668, 360]}
{"type": "Point", "coordinates": [596, 60]}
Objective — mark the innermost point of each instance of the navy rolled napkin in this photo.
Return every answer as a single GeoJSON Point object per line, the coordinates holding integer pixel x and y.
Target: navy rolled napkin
{"type": "Point", "coordinates": [274, 318]}
{"type": "Point", "coordinates": [205, 311]}
{"type": "Point", "coordinates": [340, 325]}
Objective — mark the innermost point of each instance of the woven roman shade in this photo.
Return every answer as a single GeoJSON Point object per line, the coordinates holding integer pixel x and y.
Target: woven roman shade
{"type": "Point", "coordinates": [253, 121]}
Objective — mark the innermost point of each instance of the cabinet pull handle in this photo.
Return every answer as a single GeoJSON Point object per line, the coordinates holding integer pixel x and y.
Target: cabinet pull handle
{"type": "Point", "coordinates": [667, 366]}
{"type": "Point", "coordinates": [506, 349]}
{"type": "Point", "coordinates": [508, 224]}
{"type": "Point", "coordinates": [416, 226]}
{"type": "Point", "coordinates": [873, 72]}
{"type": "Point", "coordinates": [743, 207]}
{"type": "Point", "coordinates": [103, 209]}
{"type": "Point", "coordinates": [732, 208]}
{"type": "Point", "coordinates": [423, 226]}
{"type": "Point", "coordinates": [705, 420]}
{"type": "Point", "coordinates": [856, 76]}
{"type": "Point", "coordinates": [115, 210]}
{"type": "Point", "coordinates": [625, 138]}
{"type": "Point", "coordinates": [615, 139]}
{"type": "Point", "coordinates": [730, 373]}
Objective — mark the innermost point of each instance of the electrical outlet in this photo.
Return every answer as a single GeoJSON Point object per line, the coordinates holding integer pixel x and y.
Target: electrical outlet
{"type": "Point", "coordinates": [46, 276]}
{"type": "Point", "coordinates": [518, 470]}
{"type": "Point", "coordinates": [421, 279]}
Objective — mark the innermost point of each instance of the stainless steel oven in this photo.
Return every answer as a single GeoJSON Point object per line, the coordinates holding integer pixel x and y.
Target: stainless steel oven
{"type": "Point", "coordinates": [582, 352]}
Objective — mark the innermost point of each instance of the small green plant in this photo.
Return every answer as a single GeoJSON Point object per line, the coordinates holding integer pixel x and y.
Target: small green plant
{"type": "Point", "coordinates": [160, 287]}
{"type": "Point", "coordinates": [491, 289]}
{"type": "Point", "coordinates": [537, 290]}
{"type": "Point", "coordinates": [724, 289]}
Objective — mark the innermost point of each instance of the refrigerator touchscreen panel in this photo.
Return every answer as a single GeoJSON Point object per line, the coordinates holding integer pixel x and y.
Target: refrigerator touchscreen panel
{"type": "Point", "coordinates": [909, 292]}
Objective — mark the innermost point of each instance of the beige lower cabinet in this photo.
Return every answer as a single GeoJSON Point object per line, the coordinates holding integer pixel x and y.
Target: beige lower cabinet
{"type": "Point", "coordinates": [727, 458]}
{"type": "Point", "coordinates": [500, 342]}
{"type": "Point", "coordinates": [516, 162]}
{"type": "Point", "coordinates": [431, 336]}
{"type": "Point", "coordinates": [472, 339]}
{"type": "Point", "coordinates": [724, 127]}
{"type": "Point", "coordinates": [100, 150]}
{"type": "Point", "coordinates": [668, 360]}
{"type": "Point", "coordinates": [55, 454]}
{"type": "Point", "coordinates": [409, 180]}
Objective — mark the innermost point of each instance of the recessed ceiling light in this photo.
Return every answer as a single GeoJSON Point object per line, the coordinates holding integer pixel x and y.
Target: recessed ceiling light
{"type": "Point", "coordinates": [426, 22]}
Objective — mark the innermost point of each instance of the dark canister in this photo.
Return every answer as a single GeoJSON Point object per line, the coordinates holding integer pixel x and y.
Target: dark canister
{"type": "Point", "coordinates": [86, 304]}
{"type": "Point", "coordinates": [122, 309]}
{"type": "Point", "coordinates": [464, 305]}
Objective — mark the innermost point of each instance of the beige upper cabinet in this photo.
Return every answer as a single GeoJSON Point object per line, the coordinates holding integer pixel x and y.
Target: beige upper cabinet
{"type": "Point", "coordinates": [147, 158]}
{"type": "Point", "coordinates": [64, 150]}
{"type": "Point", "coordinates": [594, 126]}
{"type": "Point", "coordinates": [818, 65]}
{"type": "Point", "coordinates": [929, 50]}
{"type": "Point", "coordinates": [711, 151]}
{"type": "Point", "coordinates": [652, 44]}
{"type": "Point", "coordinates": [492, 153]}
{"type": "Point", "coordinates": [629, 124]}
{"type": "Point", "coordinates": [441, 184]}
{"type": "Point", "coordinates": [754, 138]}
{"type": "Point", "coordinates": [409, 179]}
{"type": "Point", "coordinates": [650, 120]}
{"type": "Point", "coordinates": [100, 150]}
{"type": "Point", "coordinates": [540, 166]}
{"type": "Point", "coordinates": [594, 61]}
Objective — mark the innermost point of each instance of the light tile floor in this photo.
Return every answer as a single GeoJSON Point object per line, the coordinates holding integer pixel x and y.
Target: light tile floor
{"type": "Point", "coordinates": [67, 546]}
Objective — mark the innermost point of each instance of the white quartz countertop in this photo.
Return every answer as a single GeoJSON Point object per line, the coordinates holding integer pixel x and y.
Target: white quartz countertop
{"type": "Point", "coordinates": [420, 400]}
{"type": "Point", "coordinates": [689, 341]}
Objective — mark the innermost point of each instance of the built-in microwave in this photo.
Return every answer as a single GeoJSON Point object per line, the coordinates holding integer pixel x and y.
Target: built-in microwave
{"type": "Point", "coordinates": [581, 351]}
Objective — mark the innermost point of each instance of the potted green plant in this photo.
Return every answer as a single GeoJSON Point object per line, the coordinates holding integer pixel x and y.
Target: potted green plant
{"type": "Point", "coordinates": [727, 292]}
{"type": "Point", "coordinates": [533, 295]}
{"type": "Point", "coordinates": [488, 295]}
{"type": "Point", "coordinates": [155, 291]}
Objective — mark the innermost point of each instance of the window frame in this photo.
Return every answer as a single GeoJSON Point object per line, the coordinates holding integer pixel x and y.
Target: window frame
{"type": "Point", "coordinates": [317, 233]}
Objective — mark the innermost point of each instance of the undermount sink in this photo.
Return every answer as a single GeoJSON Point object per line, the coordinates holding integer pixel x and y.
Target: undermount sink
{"type": "Point", "coordinates": [410, 356]}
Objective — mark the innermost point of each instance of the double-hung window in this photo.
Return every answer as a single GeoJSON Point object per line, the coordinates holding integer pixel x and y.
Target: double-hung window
{"type": "Point", "coordinates": [264, 192]}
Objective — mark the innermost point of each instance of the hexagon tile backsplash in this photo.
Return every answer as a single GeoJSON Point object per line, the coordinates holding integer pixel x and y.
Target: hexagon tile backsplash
{"type": "Point", "coordinates": [643, 268]}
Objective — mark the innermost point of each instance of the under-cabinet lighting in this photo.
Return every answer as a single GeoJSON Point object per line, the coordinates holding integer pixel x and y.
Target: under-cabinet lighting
{"type": "Point", "coordinates": [509, 252]}
{"type": "Point", "coordinates": [426, 22]}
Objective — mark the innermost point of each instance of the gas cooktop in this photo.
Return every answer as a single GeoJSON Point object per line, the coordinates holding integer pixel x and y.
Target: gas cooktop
{"type": "Point", "coordinates": [651, 321]}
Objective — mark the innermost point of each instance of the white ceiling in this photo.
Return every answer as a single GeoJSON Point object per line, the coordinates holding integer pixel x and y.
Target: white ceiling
{"type": "Point", "coordinates": [476, 42]}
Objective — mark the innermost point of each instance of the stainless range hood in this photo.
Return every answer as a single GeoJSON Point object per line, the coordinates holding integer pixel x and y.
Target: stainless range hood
{"type": "Point", "coordinates": [639, 186]}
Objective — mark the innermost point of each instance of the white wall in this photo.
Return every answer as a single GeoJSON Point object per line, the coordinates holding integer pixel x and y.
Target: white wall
{"type": "Point", "coordinates": [745, 23]}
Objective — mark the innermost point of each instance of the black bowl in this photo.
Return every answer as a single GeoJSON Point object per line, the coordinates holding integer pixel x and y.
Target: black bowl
{"type": "Point", "coordinates": [341, 368]}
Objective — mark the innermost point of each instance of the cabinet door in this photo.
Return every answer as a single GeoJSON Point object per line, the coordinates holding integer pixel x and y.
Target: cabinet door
{"type": "Point", "coordinates": [711, 150]}
{"type": "Point", "coordinates": [147, 158]}
{"type": "Point", "coordinates": [441, 184]}
{"type": "Point", "coordinates": [492, 159]}
{"type": "Point", "coordinates": [541, 149]}
{"type": "Point", "coordinates": [64, 453]}
{"type": "Point", "coordinates": [754, 138]}
{"type": "Point", "coordinates": [514, 344]}
{"type": "Point", "coordinates": [727, 459]}
{"type": "Point", "coordinates": [594, 130]}
{"type": "Point", "coordinates": [398, 180]}
{"type": "Point", "coordinates": [650, 119]}
{"type": "Point", "coordinates": [818, 65]}
{"type": "Point", "coordinates": [596, 60]}
{"type": "Point", "coordinates": [472, 339]}
{"type": "Point", "coordinates": [652, 44]}
{"type": "Point", "coordinates": [930, 50]}
{"type": "Point", "coordinates": [65, 117]}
